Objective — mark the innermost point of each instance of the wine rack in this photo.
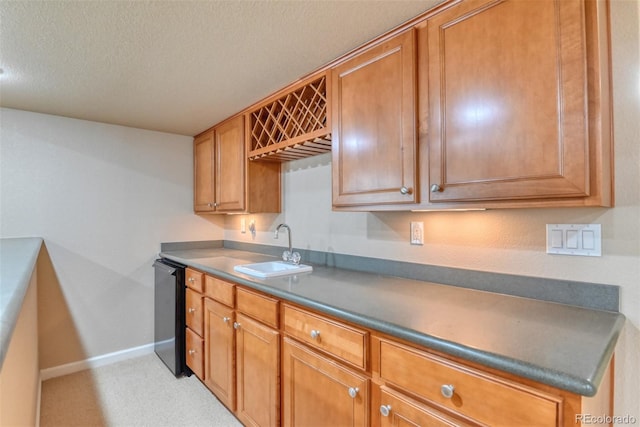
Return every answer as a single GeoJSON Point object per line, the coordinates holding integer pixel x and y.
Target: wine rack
{"type": "Point", "coordinates": [294, 125]}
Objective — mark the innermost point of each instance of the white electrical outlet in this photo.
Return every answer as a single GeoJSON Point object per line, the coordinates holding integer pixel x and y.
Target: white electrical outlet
{"type": "Point", "coordinates": [574, 239]}
{"type": "Point", "coordinates": [243, 225]}
{"type": "Point", "coordinates": [417, 233]}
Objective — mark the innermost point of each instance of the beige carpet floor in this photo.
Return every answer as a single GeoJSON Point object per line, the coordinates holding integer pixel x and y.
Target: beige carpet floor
{"type": "Point", "coordinates": [132, 393]}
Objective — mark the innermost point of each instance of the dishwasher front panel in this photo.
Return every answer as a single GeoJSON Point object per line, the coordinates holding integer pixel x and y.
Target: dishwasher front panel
{"type": "Point", "coordinates": [169, 318]}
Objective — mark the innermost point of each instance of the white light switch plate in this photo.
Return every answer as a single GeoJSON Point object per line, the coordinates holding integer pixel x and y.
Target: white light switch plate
{"type": "Point", "coordinates": [574, 239]}
{"type": "Point", "coordinates": [417, 233]}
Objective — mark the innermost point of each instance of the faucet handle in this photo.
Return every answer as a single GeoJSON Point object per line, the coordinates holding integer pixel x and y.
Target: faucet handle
{"type": "Point", "coordinates": [295, 258]}
{"type": "Point", "coordinates": [286, 256]}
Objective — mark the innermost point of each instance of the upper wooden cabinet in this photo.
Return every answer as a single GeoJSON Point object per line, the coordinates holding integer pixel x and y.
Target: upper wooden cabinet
{"type": "Point", "coordinates": [225, 181]}
{"type": "Point", "coordinates": [374, 125]}
{"type": "Point", "coordinates": [204, 173]}
{"type": "Point", "coordinates": [513, 102]}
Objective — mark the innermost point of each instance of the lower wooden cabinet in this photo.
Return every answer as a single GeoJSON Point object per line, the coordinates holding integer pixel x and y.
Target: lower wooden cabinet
{"type": "Point", "coordinates": [318, 391]}
{"type": "Point", "coordinates": [257, 373]}
{"type": "Point", "coordinates": [219, 352]}
{"type": "Point", "coordinates": [242, 354]}
{"type": "Point", "coordinates": [274, 363]}
{"type": "Point", "coordinates": [194, 304]}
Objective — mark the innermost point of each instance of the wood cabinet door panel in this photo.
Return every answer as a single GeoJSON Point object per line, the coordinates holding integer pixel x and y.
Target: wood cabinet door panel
{"type": "Point", "coordinates": [257, 373]}
{"type": "Point", "coordinates": [374, 135]}
{"type": "Point", "coordinates": [230, 165]}
{"type": "Point", "coordinates": [316, 390]}
{"type": "Point", "coordinates": [203, 173]}
{"type": "Point", "coordinates": [508, 101]}
{"type": "Point", "coordinates": [219, 366]}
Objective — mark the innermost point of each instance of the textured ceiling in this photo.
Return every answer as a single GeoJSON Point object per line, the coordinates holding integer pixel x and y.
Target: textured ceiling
{"type": "Point", "coordinates": [174, 66]}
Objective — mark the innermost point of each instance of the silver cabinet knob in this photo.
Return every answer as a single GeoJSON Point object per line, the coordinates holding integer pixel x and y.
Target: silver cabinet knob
{"type": "Point", "coordinates": [236, 325]}
{"type": "Point", "coordinates": [435, 188]}
{"type": "Point", "coordinates": [209, 205]}
{"type": "Point", "coordinates": [192, 352]}
{"type": "Point", "coordinates": [405, 190]}
{"type": "Point", "coordinates": [226, 319]}
{"type": "Point", "coordinates": [385, 410]}
{"type": "Point", "coordinates": [191, 310]}
{"type": "Point", "coordinates": [315, 334]}
{"type": "Point", "coordinates": [191, 279]}
{"type": "Point", "coordinates": [353, 392]}
{"type": "Point", "coordinates": [215, 205]}
{"type": "Point", "coordinates": [447, 390]}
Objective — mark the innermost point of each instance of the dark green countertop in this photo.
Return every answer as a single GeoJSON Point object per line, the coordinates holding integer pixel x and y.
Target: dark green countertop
{"type": "Point", "coordinates": [17, 261]}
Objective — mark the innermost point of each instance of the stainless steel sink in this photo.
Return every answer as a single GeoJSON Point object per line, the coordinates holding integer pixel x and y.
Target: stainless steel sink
{"type": "Point", "coordinates": [264, 270]}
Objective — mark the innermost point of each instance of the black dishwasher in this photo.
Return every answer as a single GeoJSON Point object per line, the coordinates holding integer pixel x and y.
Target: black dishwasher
{"type": "Point", "coordinates": [169, 318]}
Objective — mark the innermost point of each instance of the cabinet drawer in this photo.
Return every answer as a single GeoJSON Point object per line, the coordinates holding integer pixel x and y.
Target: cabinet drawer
{"type": "Point", "coordinates": [258, 306]}
{"type": "Point", "coordinates": [396, 408]}
{"type": "Point", "coordinates": [194, 280]}
{"type": "Point", "coordinates": [219, 290]}
{"type": "Point", "coordinates": [476, 395]}
{"type": "Point", "coordinates": [193, 313]}
{"type": "Point", "coordinates": [195, 353]}
{"type": "Point", "coordinates": [346, 343]}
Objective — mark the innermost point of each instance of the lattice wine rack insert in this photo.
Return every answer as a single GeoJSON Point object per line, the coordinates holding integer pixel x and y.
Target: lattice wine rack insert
{"type": "Point", "coordinates": [293, 126]}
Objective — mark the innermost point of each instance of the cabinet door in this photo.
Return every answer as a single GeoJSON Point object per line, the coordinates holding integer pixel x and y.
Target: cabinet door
{"type": "Point", "coordinates": [219, 352]}
{"type": "Point", "coordinates": [374, 125]}
{"type": "Point", "coordinates": [507, 101]}
{"type": "Point", "coordinates": [203, 173]}
{"type": "Point", "coordinates": [230, 165]}
{"type": "Point", "coordinates": [257, 373]}
{"type": "Point", "coordinates": [316, 390]}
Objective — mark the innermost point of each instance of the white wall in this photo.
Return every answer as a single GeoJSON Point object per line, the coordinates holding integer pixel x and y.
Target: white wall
{"type": "Point", "coordinates": [506, 241]}
{"type": "Point", "coordinates": [103, 197]}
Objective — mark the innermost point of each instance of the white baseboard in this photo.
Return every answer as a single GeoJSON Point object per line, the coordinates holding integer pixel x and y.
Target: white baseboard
{"type": "Point", "coordinates": [95, 362]}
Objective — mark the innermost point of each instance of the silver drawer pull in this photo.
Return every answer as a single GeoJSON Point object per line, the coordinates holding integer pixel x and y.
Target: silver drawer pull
{"type": "Point", "coordinates": [236, 325]}
{"type": "Point", "coordinates": [192, 310]}
{"type": "Point", "coordinates": [192, 352]}
{"type": "Point", "coordinates": [385, 410]}
{"type": "Point", "coordinates": [191, 279]}
{"type": "Point", "coordinates": [447, 390]}
{"type": "Point", "coordinates": [315, 334]}
{"type": "Point", "coordinates": [353, 392]}
{"type": "Point", "coordinates": [226, 319]}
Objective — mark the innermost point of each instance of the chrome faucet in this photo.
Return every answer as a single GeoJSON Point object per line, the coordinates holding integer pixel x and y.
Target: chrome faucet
{"type": "Point", "coordinates": [289, 255]}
